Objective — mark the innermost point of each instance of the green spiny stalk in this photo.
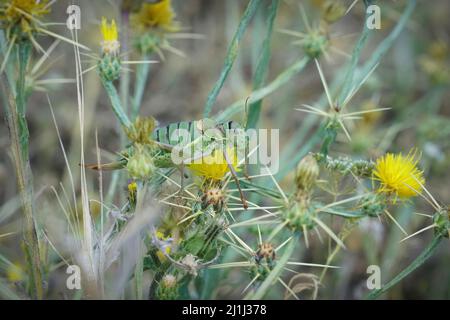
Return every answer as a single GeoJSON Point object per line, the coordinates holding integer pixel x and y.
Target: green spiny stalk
{"type": "Point", "coordinates": [116, 104]}
{"type": "Point", "coordinates": [125, 76]}
{"type": "Point", "coordinates": [18, 129]}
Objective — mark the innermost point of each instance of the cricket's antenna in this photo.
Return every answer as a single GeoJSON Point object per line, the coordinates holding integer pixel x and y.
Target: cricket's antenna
{"type": "Point", "coordinates": [246, 110]}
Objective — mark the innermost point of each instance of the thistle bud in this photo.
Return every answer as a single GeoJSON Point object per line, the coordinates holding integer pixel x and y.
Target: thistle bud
{"type": "Point", "coordinates": [315, 43]}
{"type": "Point", "coordinates": [149, 42]}
{"type": "Point", "coordinates": [109, 67]}
{"type": "Point", "coordinates": [372, 205]}
{"type": "Point", "coordinates": [264, 261]}
{"type": "Point", "coordinates": [140, 165]}
{"type": "Point", "coordinates": [307, 173]}
{"type": "Point", "coordinates": [332, 11]}
{"type": "Point", "coordinates": [168, 288]}
{"type": "Point", "coordinates": [169, 281]}
{"type": "Point", "coordinates": [442, 222]}
{"type": "Point", "coordinates": [300, 216]}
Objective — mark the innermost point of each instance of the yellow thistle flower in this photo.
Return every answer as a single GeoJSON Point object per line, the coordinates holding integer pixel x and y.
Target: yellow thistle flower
{"type": "Point", "coordinates": [215, 166]}
{"type": "Point", "coordinates": [158, 15]}
{"type": "Point", "coordinates": [110, 43]}
{"type": "Point", "coordinates": [399, 175]}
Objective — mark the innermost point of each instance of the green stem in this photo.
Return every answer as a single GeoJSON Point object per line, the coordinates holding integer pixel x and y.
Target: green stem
{"type": "Point", "coordinates": [139, 87]}
{"type": "Point", "coordinates": [231, 55]}
{"type": "Point", "coordinates": [309, 122]}
{"type": "Point", "coordinates": [18, 129]}
{"type": "Point", "coordinates": [262, 66]}
{"type": "Point", "coordinates": [259, 94]}
{"type": "Point", "coordinates": [424, 256]}
{"type": "Point", "coordinates": [349, 225]}
{"type": "Point", "coordinates": [116, 104]}
{"type": "Point", "coordinates": [329, 138]}
{"type": "Point", "coordinates": [125, 77]}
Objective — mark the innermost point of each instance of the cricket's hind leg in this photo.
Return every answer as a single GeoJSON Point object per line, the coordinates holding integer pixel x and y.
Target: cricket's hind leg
{"type": "Point", "coordinates": [234, 174]}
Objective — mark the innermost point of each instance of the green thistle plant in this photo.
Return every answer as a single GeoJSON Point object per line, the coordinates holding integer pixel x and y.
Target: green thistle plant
{"type": "Point", "coordinates": [215, 228]}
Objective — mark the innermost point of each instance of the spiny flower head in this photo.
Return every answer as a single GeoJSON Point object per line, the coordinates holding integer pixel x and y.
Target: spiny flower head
{"type": "Point", "coordinates": [213, 196]}
{"type": "Point", "coordinates": [399, 175]}
{"type": "Point", "coordinates": [159, 15]}
{"type": "Point", "coordinates": [140, 165]}
{"type": "Point", "coordinates": [315, 43]}
{"type": "Point", "coordinates": [110, 43]}
{"type": "Point", "coordinates": [22, 13]}
{"type": "Point", "coordinates": [265, 251]}
{"type": "Point", "coordinates": [215, 166]}
{"type": "Point", "coordinates": [141, 130]}
{"type": "Point", "coordinates": [14, 10]}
